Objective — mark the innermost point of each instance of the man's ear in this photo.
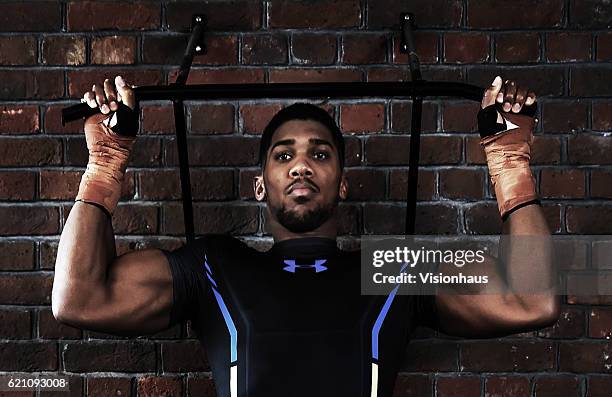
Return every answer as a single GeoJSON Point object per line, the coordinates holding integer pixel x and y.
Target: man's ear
{"type": "Point", "coordinates": [343, 189]}
{"type": "Point", "coordinates": [259, 188]}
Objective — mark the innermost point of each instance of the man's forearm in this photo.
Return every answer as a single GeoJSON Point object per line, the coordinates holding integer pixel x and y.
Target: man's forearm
{"type": "Point", "coordinates": [86, 249]}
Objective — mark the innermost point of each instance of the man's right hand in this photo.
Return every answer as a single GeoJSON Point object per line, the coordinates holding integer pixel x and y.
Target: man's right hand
{"type": "Point", "coordinates": [116, 100]}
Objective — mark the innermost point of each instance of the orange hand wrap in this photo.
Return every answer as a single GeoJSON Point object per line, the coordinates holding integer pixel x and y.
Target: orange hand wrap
{"type": "Point", "coordinates": [108, 158]}
{"type": "Point", "coordinates": [508, 154]}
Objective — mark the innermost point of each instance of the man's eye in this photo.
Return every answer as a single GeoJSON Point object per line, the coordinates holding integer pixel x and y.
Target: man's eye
{"type": "Point", "coordinates": [281, 157]}
{"type": "Point", "coordinates": [321, 155]}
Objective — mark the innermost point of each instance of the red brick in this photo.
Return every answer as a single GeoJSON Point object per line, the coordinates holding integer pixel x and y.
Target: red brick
{"type": "Point", "coordinates": [497, 356]}
{"type": "Point", "coordinates": [135, 219]}
{"type": "Point", "coordinates": [389, 73]}
{"type": "Point", "coordinates": [366, 184]}
{"type": "Point", "coordinates": [558, 385]}
{"type": "Point", "coordinates": [19, 119]}
{"type": "Point", "coordinates": [113, 50]}
{"type": "Point", "coordinates": [592, 219]}
{"type": "Point", "coordinates": [28, 356]}
{"type": "Point", "coordinates": [398, 185]}
{"type": "Point", "coordinates": [146, 152]}
{"type": "Point", "coordinates": [38, 16]}
{"type": "Point", "coordinates": [565, 117]}
{"type": "Point", "coordinates": [590, 81]}
{"type": "Point", "coordinates": [255, 118]}
{"type": "Point", "coordinates": [568, 47]}
{"type": "Point", "coordinates": [401, 116]}
{"type": "Point", "coordinates": [137, 15]}
{"type": "Point", "coordinates": [590, 14]}
{"type": "Point", "coordinates": [322, 14]}
{"type": "Point", "coordinates": [231, 219]}
{"type": "Point", "coordinates": [64, 50]}
{"type": "Point", "coordinates": [59, 185]}
{"type": "Point", "coordinates": [433, 150]}
{"type": "Point", "coordinates": [601, 254]}
{"type": "Point", "coordinates": [600, 184]}
{"type": "Point", "coordinates": [598, 386]}
{"type": "Point", "coordinates": [364, 48]}
{"type": "Point", "coordinates": [486, 14]}
{"type": "Point", "coordinates": [562, 183]}
{"type": "Point", "coordinates": [588, 299]}
{"type": "Point", "coordinates": [425, 44]}
{"type": "Point", "coordinates": [590, 149]}
{"type": "Point", "coordinates": [362, 117]}
{"type": "Point", "coordinates": [18, 50]}
{"type": "Point", "coordinates": [412, 385]}
{"type": "Point", "coordinates": [214, 151]}
{"type": "Point", "coordinates": [463, 47]}
{"type": "Point", "coordinates": [200, 386]}
{"type": "Point", "coordinates": [17, 255]}
{"type": "Point", "coordinates": [184, 356]}
{"type": "Point", "coordinates": [438, 13]}
{"type": "Point", "coordinates": [212, 119]}
{"type": "Point", "coordinates": [460, 116]}
{"type": "Point", "coordinates": [222, 76]}
{"type": "Point", "coordinates": [428, 356]}
{"type": "Point", "coordinates": [552, 213]}
{"type": "Point", "coordinates": [313, 49]}
{"type": "Point", "coordinates": [27, 220]}
{"type": "Point", "coordinates": [169, 50]}
{"type": "Point", "coordinates": [15, 324]}
{"type": "Point", "coordinates": [50, 328]}
{"type": "Point", "coordinates": [483, 218]}
{"type": "Point", "coordinates": [116, 356]}
{"type": "Point", "coordinates": [237, 15]}
{"type": "Point", "coordinates": [523, 47]}
{"type": "Point", "coordinates": [390, 219]}
{"type": "Point", "coordinates": [53, 122]}
{"type": "Point", "coordinates": [458, 386]}
{"type": "Point", "coordinates": [313, 75]}
{"type": "Point", "coordinates": [461, 184]}
{"type": "Point", "coordinates": [602, 116]}
{"type": "Point", "coordinates": [48, 254]}
{"type": "Point", "coordinates": [25, 289]}
{"type": "Point", "coordinates": [474, 153]}
{"type": "Point", "coordinates": [507, 386]}
{"type": "Point", "coordinates": [585, 357]}
{"type": "Point", "coordinates": [600, 323]}
{"type": "Point", "coordinates": [544, 81]}
{"type": "Point", "coordinates": [352, 151]}
{"type": "Point", "coordinates": [266, 49]}
{"type": "Point", "coordinates": [158, 119]}
{"type": "Point", "coordinates": [604, 46]}
{"type": "Point", "coordinates": [31, 84]}
{"type": "Point", "coordinates": [104, 387]}
{"type": "Point", "coordinates": [571, 325]}
{"type": "Point", "coordinates": [206, 184]}
{"type": "Point", "coordinates": [17, 186]}
{"type": "Point", "coordinates": [80, 81]}
{"type": "Point", "coordinates": [545, 150]}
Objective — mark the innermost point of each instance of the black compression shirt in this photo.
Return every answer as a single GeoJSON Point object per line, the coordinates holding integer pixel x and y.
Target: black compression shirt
{"type": "Point", "coordinates": [291, 321]}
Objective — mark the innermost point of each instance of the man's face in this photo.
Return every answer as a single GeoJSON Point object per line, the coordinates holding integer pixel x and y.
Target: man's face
{"type": "Point", "coordinates": [302, 179]}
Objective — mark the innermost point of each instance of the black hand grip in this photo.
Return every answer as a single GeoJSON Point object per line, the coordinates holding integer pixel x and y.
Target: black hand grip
{"type": "Point", "coordinates": [75, 112]}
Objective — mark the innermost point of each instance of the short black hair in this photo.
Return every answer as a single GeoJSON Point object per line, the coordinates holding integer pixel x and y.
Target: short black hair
{"type": "Point", "coordinates": [301, 111]}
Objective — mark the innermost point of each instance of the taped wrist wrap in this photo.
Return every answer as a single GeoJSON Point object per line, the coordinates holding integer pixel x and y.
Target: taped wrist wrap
{"type": "Point", "coordinates": [108, 158]}
{"type": "Point", "coordinates": [508, 151]}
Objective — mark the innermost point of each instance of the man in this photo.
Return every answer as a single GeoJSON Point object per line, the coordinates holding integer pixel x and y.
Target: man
{"type": "Point", "coordinates": [290, 321]}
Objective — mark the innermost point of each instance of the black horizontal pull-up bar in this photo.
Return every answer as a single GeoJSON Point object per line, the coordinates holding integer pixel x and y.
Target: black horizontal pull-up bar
{"type": "Point", "coordinates": [419, 88]}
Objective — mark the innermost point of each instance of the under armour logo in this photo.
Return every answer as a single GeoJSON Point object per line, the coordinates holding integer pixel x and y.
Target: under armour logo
{"type": "Point", "coordinates": [317, 266]}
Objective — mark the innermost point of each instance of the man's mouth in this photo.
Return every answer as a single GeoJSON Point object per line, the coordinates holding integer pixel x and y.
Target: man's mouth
{"type": "Point", "coordinates": [302, 189]}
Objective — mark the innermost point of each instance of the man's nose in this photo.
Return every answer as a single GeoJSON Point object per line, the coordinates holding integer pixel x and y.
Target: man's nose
{"type": "Point", "coordinates": [301, 168]}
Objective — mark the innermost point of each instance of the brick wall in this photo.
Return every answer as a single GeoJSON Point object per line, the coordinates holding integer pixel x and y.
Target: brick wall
{"type": "Point", "coordinates": [51, 51]}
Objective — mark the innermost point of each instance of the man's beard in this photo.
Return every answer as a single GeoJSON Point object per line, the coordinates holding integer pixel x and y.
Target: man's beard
{"type": "Point", "coordinates": [309, 220]}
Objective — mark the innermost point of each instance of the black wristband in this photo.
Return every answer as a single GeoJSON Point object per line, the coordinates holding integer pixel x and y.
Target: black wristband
{"type": "Point", "coordinates": [526, 203]}
{"type": "Point", "coordinates": [110, 217]}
